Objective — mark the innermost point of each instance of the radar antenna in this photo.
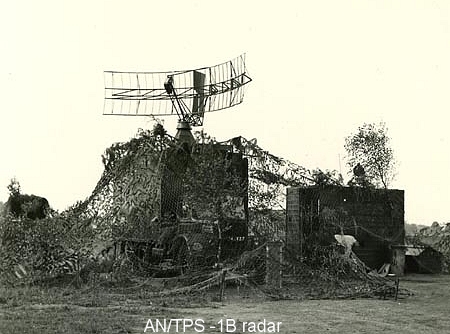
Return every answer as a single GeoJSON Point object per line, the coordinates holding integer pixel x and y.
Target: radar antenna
{"type": "Point", "coordinates": [187, 93]}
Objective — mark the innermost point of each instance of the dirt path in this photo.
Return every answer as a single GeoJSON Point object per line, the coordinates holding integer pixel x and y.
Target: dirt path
{"type": "Point", "coordinates": [426, 312]}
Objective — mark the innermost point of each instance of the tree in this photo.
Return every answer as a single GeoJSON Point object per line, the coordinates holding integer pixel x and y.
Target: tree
{"type": "Point", "coordinates": [14, 187]}
{"type": "Point", "coordinates": [327, 177]}
{"type": "Point", "coordinates": [22, 205]}
{"type": "Point", "coordinates": [369, 147]}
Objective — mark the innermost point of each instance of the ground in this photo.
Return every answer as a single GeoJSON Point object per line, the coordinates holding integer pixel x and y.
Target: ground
{"type": "Point", "coordinates": [95, 309]}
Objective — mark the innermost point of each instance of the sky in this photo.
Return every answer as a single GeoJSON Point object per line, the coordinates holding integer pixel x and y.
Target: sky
{"type": "Point", "coordinates": [320, 69]}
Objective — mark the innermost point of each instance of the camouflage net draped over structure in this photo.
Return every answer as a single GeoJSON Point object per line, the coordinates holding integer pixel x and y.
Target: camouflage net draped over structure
{"type": "Point", "coordinates": [436, 236]}
{"type": "Point", "coordinates": [268, 178]}
{"type": "Point", "coordinates": [130, 188]}
{"type": "Point", "coordinates": [150, 190]}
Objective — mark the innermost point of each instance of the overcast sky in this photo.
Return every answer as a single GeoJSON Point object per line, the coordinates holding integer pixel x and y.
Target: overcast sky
{"type": "Point", "coordinates": [320, 69]}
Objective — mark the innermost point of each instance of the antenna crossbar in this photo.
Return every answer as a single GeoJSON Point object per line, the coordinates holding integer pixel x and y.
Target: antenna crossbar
{"type": "Point", "coordinates": [191, 93]}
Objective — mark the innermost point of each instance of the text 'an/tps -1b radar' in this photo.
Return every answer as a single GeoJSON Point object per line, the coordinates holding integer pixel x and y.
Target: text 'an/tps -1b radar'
{"type": "Point", "coordinates": [187, 93]}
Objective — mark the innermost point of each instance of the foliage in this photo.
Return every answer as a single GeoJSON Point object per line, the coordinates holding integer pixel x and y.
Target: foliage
{"type": "Point", "coordinates": [23, 205]}
{"type": "Point", "coordinates": [29, 206]}
{"type": "Point", "coordinates": [331, 260]}
{"type": "Point", "coordinates": [327, 177]}
{"type": "Point", "coordinates": [268, 178]}
{"type": "Point", "coordinates": [370, 146]}
{"type": "Point", "coordinates": [336, 217]}
{"type": "Point", "coordinates": [203, 186]}
{"type": "Point", "coordinates": [436, 236]}
{"type": "Point", "coordinates": [213, 187]}
{"type": "Point", "coordinates": [41, 247]}
{"type": "Point", "coordinates": [14, 187]}
{"type": "Point", "coordinates": [126, 197]}
{"type": "Point", "coordinates": [126, 202]}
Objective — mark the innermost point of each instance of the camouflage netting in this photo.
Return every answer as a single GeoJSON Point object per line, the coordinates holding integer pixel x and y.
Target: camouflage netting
{"type": "Point", "coordinates": [130, 187]}
{"type": "Point", "coordinates": [142, 183]}
{"type": "Point", "coordinates": [162, 206]}
{"type": "Point", "coordinates": [436, 236]}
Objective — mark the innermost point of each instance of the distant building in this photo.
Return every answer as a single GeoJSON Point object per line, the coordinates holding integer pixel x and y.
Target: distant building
{"type": "Point", "coordinates": [423, 260]}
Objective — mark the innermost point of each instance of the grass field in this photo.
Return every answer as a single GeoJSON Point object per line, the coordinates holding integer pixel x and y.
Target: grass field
{"type": "Point", "coordinates": [115, 310]}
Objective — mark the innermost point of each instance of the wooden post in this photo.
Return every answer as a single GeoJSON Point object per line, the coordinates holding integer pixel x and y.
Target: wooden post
{"type": "Point", "coordinates": [398, 260]}
{"type": "Point", "coordinates": [222, 285]}
{"type": "Point", "coordinates": [274, 260]}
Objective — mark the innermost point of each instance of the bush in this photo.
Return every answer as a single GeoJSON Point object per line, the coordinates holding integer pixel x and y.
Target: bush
{"type": "Point", "coordinates": [31, 249]}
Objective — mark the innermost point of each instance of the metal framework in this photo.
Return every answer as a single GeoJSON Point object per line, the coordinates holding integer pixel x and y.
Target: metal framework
{"type": "Point", "coordinates": [189, 93]}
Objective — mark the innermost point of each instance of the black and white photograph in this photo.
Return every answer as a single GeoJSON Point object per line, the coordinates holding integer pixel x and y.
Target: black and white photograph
{"type": "Point", "coordinates": [225, 166]}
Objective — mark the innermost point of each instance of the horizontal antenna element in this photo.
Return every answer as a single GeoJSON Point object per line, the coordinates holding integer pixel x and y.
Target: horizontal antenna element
{"type": "Point", "coordinates": [189, 94]}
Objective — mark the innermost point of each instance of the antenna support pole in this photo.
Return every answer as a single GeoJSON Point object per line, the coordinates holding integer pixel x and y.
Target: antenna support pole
{"type": "Point", "coordinates": [188, 93]}
{"type": "Point", "coordinates": [184, 134]}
